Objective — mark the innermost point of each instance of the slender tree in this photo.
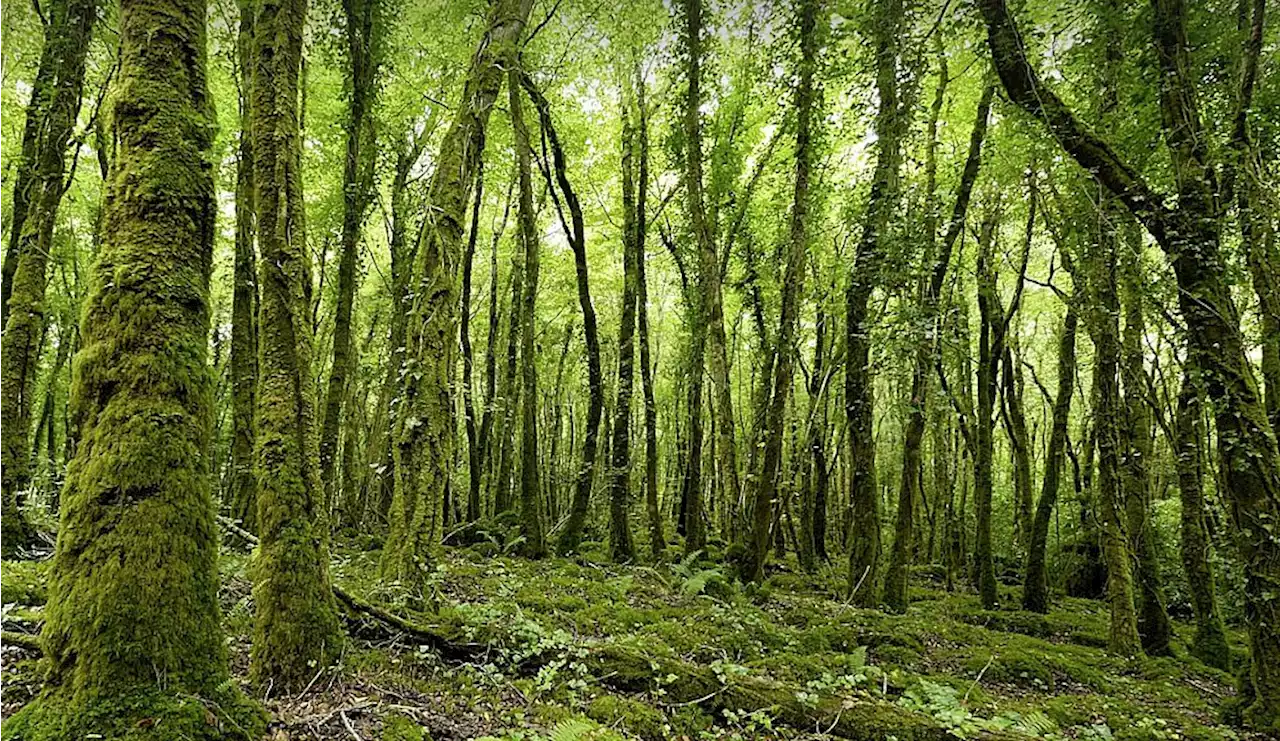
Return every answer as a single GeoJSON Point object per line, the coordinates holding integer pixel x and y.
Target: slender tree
{"type": "Point", "coordinates": [530, 481]}
{"type": "Point", "coordinates": [51, 118]}
{"type": "Point", "coordinates": [423, 446]}
{"type": "Point", "coordinates": [244, 297]}
{"type": "Point", "coordinates": [864, 552]}
{"type": "Point", "coordinates": [296, 623]}
{"type": "Point", "coordinates": [797, 253]}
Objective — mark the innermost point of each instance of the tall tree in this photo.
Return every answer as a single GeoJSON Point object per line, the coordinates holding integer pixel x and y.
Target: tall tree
{"type": "Point", "coordinates": [132, 627]}
{"type": "Point", "coordinates": [530, 481]}
{"type": "Point", "coordinates": [797, 253]}
{"type": "Point", "coordinates": [244, 297]}
{"type": "Point", "coordinates": [423, 446]}
{"type": "Point", "coordinates": [864, 552]}
{"type": "Point", "coordinates": [928, 350]}
{"type": "Point", "coordinates": [362, 26]}
{"type": "Point", "coordinates": [621, 546]}
{"type": "Point", "coordinates": [557, 176]}
{"type": "Point", "coordinates": [1210, 643]}
{"type": "Point", "coordinates": [1189, 233]}
{"type": "Point", "coordinates": [296, 623]}
{"type": "Point", "coordinates": [51, 119]}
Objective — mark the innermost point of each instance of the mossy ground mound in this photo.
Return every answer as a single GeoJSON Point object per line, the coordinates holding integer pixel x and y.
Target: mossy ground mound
{"type": "Point", "coordinates": [583, 649]}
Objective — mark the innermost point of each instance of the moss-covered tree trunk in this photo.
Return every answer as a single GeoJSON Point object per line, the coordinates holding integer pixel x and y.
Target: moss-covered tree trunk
{"type": "Point", "coordinates": [1153, 617]}
{"type": "Point", "coordinates": [530, 480]}
{"type": "Point", "coordinates": [244, 297]}
{"type": "Point", "coordinates": [132, 633]}
{"type": "Point", "coordinates": [797, 254]}
{"type": "Point", "coordinates": [1210, 643]}
{"type": "Point", "coordinates": [360, 20]}
{"type": "Point", "coordinates": [424, 436]}
{"type": "Point", "coordinates": [296, 628]}
{"type": "Point", "coordinates": [864, 552]}
{"type": "Point", "coordinates": [475, 454]}
{"type": "Point", "coordinates": [1035, 592]}
{"type": "Point", "coordinates": [621, 547]}
{"type": "Point", "coordinates": [657, 540]}
{"type": "Point", "coordinates": [990, 350]}
{"type": "Point", "coordinates": [1015, 423]}
{"type": "Point", "coordinates": [51, 119]}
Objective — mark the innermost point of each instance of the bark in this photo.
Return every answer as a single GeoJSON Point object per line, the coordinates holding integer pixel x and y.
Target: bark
{"type": "Point", "coordinates": [51, 119]}
{"type": "Point", "coordinates": [864, 553]}
{"type": "Point", "coordinates": [1210, 643]}
{"type": "Point", "coordinates": [1153, 617]}
{"type": "Point", "coordinates": [296, 624]}
{"type": "Point", "coordinates": [424, 437]}
{"type": "Point", "coordinates": [357, 183]}
{"type": "Point", "coordinates": [708, 293]}
{"type": "Point", "coordinates": [475, 461]}
{"type": "Point", "coordinates": [1015, 422]}
{"type": "Point", "coordinates": [990, 350]}
{"type": "Point", "coordinates": [132, 626]}
{"type": "Point", "coordinates": [1035, 593]}
{"type": "Point", "coordinates": [575, 229]}
{"type": "Point", "coordinates": [530, 480]}
{"type": "Point", "coordinates": [766, 486]}
{"type": "Point", "coordinates": [657, 541]}
{"type": "Point", "coordinates": [244, 298]}
{"type": "Point", "coordinates": [621, 547]}
{"type": "Point", "coordinates": [928, 350]}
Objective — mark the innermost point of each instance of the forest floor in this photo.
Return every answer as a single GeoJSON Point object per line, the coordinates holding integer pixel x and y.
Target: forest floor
{"type": "Point", "coordinates": [580, 648]}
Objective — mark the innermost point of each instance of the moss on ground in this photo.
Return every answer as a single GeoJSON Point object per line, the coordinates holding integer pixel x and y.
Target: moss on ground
{"type": "Point", "coordinates": [607, 651]}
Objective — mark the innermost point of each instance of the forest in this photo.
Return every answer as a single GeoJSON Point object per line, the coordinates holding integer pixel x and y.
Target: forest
{"type": "Point", "coordinates": [542, 370]}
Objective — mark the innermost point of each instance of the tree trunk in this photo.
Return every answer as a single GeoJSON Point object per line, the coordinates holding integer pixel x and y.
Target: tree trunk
{"type": "Point", "coordinates": [296, 623]}
{"type": "Point", "coordinates": [244, 299]}
{"type": "Point", "coordinates": [530, 479]}
{"type": "Point", "coordinates": [766, 486]}
{"type": "Point", "coordinates": [621, 547]}
{"type": "Point", "coordinates": [1035, 594]}
{"type": "Point", "coordinates": [657, 541]}
{"type": "Point", "coordinates": [1210, 643]}
{"type": "Point", "coordinates": [51, 119]}
{"type": "Point", "coordinates": [1153, 617]}
{"type": "Point", "coordinates": [424, 437]}
{"type": "Point", "coordinates": [360, 18]}
{"type": "Point", "coordinates": [864, 553]}
{"type": "Point", "coordinates": [475, 458]}
{"type": "Point", "coordinates": [132, 627]}
{"type": "Point", "coordinates": [990, 350]}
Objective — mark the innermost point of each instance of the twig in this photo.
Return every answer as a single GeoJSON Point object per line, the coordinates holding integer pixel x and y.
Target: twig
{"type": "Point", "coordinates": [350, 729]}
{"type": "Point", "coordinates": [978, 678]}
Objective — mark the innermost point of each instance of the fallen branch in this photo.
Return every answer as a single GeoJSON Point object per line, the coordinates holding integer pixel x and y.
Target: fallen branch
{"type": "Point", "coordinates": [424, 634]}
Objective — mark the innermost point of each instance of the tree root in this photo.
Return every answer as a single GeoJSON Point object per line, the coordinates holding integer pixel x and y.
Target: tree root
{"type": "Point", "coordinates": [22, 640]}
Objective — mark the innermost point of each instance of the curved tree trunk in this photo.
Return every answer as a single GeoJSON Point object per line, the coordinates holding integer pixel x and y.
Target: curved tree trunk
{"type": "Point", "coordinates": [424, 433]}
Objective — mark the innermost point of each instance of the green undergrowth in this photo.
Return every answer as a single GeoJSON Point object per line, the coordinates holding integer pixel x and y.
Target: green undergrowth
{"type": "Point", "coordinates": [682, 651]}
{"type": "Point", "coordinates": [583, 649]}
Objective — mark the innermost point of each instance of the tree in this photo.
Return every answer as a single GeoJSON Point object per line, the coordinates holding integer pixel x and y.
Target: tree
{"type": "Point", "coordinates": [51, 118]}
{"type": "Point", "coordinates": [132, 625]}
{"type": "Point", "coordinates": [296, 627]}
{"type": "Point", "coordinates": [530, 520]}
{"type": "Point", "coordinates": [1189, 233]}
{"type": "Point", "coordinates": [423, 445]}
{"type": "Point", "coordinates": [864, 555]}
{"type": "Point", "coordinates": [797, 253]}
{"type": "Point", "coordinates": [244, 299]}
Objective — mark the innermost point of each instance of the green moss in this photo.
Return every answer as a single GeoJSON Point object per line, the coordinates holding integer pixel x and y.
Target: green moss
{"type": "Point", "coordinates": [223, 714]}
{"type": "Point", "coordinates": [397, 727]}
{"type": "Point", "coordinates": [24, 582]}
{"type": "Point", "coordinates": [632, 716]}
